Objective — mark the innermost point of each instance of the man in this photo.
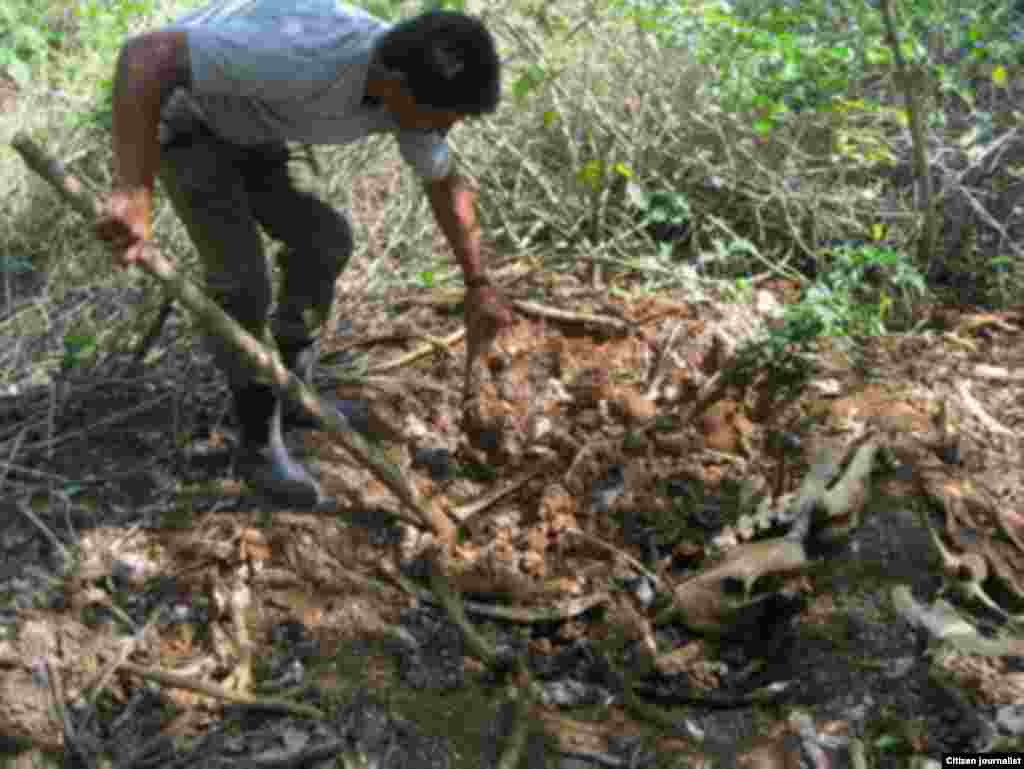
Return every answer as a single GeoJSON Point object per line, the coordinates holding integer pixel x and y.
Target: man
{"type": "Point", "coordinates": [209, 103]}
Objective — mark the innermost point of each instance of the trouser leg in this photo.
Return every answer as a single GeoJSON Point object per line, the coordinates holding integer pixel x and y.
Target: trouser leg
{"type": "Point", "coordinates": [204, 182]}
{"type": "Point", "coordinates": [316, 246]}
{"type": "Point", "coordinates": [316, 242]}
{"type": "Point", "coordinates": [205, 178]}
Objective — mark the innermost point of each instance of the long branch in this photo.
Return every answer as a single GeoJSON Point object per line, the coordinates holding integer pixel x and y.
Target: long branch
{"type": "Point", "coordinates": [257, 356]}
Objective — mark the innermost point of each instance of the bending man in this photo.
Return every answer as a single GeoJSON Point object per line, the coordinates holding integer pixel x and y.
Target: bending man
{"type": "Point", "coordinates": [208, 104]}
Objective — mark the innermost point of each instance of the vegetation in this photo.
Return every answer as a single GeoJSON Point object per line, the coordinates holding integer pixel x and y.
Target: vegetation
{"type": "Point", "coordinates": [751, 137]}
{"type": "Point", "coordinates": [644, 146]}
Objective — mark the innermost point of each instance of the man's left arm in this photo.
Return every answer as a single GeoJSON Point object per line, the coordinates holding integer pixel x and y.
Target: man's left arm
{"type": "Point", "coordinates": [454, 204]}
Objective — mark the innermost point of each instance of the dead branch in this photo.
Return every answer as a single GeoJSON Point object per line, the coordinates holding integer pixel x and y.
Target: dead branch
{"type": "Point", "coordinates": [57, 693]}
{"type": "Point", "coordinates": [558, 611]}
{"type": "Point", "coordinates": [434, 344]}
{"type": "Point", "coordinates": [166, 678]}
{"type": "Point", "coordinates": [845, 501]}
{"type": "Point", "coordinates": [544, 312]}
{"type": "Point", "coordinates": [45, 530]}
{"type": "Point", "coordinates": [618, 553]}
{"type": "Point", "coordinates": [468, 510]}
{"type": "Point", "coordinates": [256, 355]}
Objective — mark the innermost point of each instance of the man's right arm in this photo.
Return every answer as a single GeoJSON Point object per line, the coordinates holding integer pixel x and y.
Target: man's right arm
{"type": "Point", "coordinates": [149, 68]}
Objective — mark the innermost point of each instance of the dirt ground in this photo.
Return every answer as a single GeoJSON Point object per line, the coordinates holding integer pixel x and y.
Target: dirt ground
{"type": "Point", "coordinates": [613, 454]}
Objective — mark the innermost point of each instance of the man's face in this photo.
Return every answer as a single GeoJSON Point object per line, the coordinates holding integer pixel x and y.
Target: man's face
{"type": "Point", "coordinates": [411, 116]}
{"type": "Point", "coordinates": [418, 118]}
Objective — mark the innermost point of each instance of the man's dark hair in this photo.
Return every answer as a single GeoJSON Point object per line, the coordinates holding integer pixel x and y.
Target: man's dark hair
{"type": "Point", "coordinates": [447, 60]}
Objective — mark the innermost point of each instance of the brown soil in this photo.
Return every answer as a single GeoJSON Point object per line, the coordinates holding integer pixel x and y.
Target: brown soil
{"type": "Point", "coordinates": [561, 404]}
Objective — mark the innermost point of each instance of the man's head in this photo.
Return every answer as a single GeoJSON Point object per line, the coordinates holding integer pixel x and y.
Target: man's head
{"type": "Point", "coordinates": [446, 64]}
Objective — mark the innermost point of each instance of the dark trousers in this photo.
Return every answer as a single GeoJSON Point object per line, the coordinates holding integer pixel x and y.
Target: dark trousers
{"type": "Point", "coordinates": [225, 194]}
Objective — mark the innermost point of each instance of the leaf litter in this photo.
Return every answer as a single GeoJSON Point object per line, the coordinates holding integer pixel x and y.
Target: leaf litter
{"type": "Point", "coordinates": [626, 507]}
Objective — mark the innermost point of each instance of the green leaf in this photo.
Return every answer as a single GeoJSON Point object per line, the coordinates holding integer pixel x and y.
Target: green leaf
{"type": "Point", "coordinates": [77, 344]}
{"type": "Point", "coordinates": [31, 37]}
{"type": "Point", "coordinates": [590, 173]}
{"type": "Point", "coordinates": [879, 56]}
{"type": "Point", "coordinates": [622, 170]}
{"type": "Point", "coordinates": [841, 52]}
{"type": "Point", "coordinates": [999, 76]}
{"type": "Point", "coordinates": [532, 77]}
{"type": "Point", "coordinates": [888, 742]}
{"type": "Point", "coordinates": [763, 127]}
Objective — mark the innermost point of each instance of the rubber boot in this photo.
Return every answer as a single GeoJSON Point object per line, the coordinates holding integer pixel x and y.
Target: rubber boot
{"type": "Point", "coordinates": [263, 459]}
{"type": "Point", "coordinates": [300, 358]}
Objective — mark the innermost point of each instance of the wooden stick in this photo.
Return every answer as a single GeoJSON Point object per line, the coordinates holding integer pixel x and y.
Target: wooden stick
{"type": "Point", "coordinates": [411, 357]}
{"type": "Point", "coordinates": [256, 355]}
{"type": "Point", "coordinates": [177, 681]}
{"type": "Point", "coordinates": [613, 325]}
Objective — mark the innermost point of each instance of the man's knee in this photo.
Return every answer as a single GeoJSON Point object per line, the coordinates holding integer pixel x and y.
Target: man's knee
{"type": "Point", "coordinates": [322, 249]}
{"type": "Point", "coordinates": [316, 229]}
{"type": "Point", "coordinates": [246, 298]}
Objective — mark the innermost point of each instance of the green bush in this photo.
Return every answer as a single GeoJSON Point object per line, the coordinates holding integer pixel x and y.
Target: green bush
{"type": "Point", "coordinates": [23, 39]}
{"type": "Point", "coordinates": [861, 291]}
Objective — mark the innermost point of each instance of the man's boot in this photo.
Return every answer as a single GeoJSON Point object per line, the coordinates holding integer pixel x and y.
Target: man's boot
{"type": "Point", "coordinates": [300, 357]}
{"type": "Point", "coordinates": [263, 460]}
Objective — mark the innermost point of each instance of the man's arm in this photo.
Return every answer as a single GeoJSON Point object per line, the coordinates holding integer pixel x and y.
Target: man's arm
{"type": "Point", "coordinates": [149, 68]}
{"type": "Point", "coordinates": [454, 204]}
{"type": "Point", "coordinates": [454, 207]}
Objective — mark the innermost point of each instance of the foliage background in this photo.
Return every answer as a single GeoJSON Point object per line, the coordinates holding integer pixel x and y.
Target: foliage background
{"type": "Point", "coordinates": [642, 145]}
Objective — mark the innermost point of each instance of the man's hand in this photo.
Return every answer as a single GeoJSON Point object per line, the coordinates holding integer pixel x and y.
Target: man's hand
{"type": "Point", "coordinates": [124, 225]}
{"type": "Point", "coordinates": [486, 316]}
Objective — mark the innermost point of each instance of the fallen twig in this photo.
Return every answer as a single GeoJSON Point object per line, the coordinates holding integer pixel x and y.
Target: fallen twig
{"type": "Point", "coordinates": [419, 352]}
{"type": "Point", "coordinates": [36, 521]}
{"type": "Point", "coordinates": [166, 678]}
{"type": "Point", "coordinates": [657, 373]}
{"type": "Point", "coordinates": [257, 356]}
{"type": "Point", "coordinates": [550, 313]}
{"type": "Point", "coordinates": [127, 649]}
{"type": "Point", "coordinates": [57, 692]}
{"type": "Point", "coordinates": [448, 298]}
{"type": "Point", "coordinates": [998, 373]}
{"type": "Point", "coordinates": [14, 452]}
{"type": "Point", "coordinates": [395, 337]}
{"type": "Point", "coordinates": [468, 510]}
{"type": "Point", "coordinates": [557, 612]}
{"type": "Point", "coordinates": [971, 403]}
{"type": "Point", "coordinates": [53, 441]}
{"type": "Point", "coordinates": [618, 552]}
